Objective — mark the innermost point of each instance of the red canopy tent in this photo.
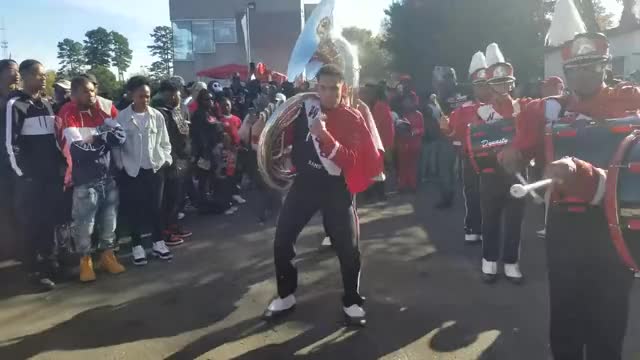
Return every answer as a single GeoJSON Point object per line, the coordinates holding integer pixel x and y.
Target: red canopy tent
{"type": "Point", "coordinates": [227, 71]}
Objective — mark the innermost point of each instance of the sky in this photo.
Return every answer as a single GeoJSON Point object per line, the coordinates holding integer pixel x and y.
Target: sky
{"type": "Point", "coordinates": [135, 19]}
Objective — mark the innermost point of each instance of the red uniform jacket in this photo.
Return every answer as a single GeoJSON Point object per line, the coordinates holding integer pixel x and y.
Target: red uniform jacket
{"type": "Point", "coordinates": [609, 103]}
{"type": "Point", "coordinates": [384, 122]}
{"type": "Point", "coordinates": [350, 146]}
{"type": "Point", "coordinates": [460, 119]}
{"type": "Point", "coordinates": [416, 120]}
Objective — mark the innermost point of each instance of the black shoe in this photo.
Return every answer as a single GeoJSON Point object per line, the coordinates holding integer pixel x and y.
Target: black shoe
{"type": "Point", "coordinates": [43, 281]}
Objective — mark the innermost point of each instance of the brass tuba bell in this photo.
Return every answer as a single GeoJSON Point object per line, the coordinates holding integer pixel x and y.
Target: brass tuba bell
{"type": "Point", "coordinates": [319, 43]}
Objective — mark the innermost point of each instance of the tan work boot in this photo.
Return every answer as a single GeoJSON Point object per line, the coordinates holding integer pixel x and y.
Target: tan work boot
{"type": "Point", "coordinates": [109, 263]}
{"type": "Point", "coordinates": [86, 269]}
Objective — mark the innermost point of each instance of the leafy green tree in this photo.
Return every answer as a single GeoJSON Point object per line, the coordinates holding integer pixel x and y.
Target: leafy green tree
{"type": "Point", "coordinates": [374, 60]}
{"type": "Point", "coordinates": [97, 47]}
{"type": "Point", "coordinates": [162, 49]}
{"type": "Point", "coordinates": [122, 54]}
{"type": "Point", "coordinates": [421, 34]}
{"type": "Point", "coordinates": [70, 54]}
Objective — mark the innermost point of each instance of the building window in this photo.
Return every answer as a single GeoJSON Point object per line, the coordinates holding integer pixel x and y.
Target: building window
{"type": "Point", "coordinates": [202, 31]}
{"type": "Point", "coordinates": [182, 41]}
{"type": "Point", "coordinates": [225, 31]}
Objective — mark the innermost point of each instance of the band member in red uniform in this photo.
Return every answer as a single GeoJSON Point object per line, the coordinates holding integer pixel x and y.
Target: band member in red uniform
{"type": "Point", "coordinates": [499, 209]}
{"type": "Point", "coordinates": [588, 285]}
{"type": "Point", "coordinates": [459, 121]}
{"type": "Point", "coordinates": [409, 144]}
{"type": "Point", "coordinates": [334, 157]}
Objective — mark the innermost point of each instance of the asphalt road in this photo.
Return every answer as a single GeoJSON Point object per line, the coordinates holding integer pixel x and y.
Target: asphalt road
{"type": "Point", "coordinates": [425, 298]}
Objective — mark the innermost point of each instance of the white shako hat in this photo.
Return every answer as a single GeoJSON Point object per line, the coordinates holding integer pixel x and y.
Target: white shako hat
{"type": "Point", "coordinates": [498, 70]}
{"type": "Point", "coordinates": [478, 68]}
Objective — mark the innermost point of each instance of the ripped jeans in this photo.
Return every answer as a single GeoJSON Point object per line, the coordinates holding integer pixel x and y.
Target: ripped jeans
{"type": "Point", "coordinates": [95, 203]}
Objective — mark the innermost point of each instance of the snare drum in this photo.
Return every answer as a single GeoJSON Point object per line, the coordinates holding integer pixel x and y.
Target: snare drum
{"type": "Point", "coordinates": [486, 140]}
{"type": "Point", "coordinates": [622, 200]}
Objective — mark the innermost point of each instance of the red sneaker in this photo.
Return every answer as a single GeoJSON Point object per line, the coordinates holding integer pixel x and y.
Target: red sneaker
{"type": "Point", "coordinates": [173, 240]}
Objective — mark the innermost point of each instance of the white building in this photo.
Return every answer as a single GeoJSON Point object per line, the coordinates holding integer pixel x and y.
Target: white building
{"type": "Point", "coordinates": [625, 50]}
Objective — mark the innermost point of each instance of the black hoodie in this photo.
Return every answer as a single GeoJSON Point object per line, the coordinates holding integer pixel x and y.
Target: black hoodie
{"type": "Point", "coordinates": [31, 144]}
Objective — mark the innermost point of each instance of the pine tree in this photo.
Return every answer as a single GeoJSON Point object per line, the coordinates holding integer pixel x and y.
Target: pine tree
{"type": "Point", "coordinates": [71, 56]}
{"type": "Point", "coordinates": [122, 54]}
{"type": "Point", "coordinates": [162, 49]}
{"type": "Point", "coordinates": [97, 47]}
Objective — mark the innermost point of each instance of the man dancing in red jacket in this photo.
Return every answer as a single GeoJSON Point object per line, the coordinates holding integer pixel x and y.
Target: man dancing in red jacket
{"type": "Point", "coordinates": [335, 158]}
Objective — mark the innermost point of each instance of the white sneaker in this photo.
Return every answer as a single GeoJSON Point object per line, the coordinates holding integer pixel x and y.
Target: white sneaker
{"type": "Point", "coordinates": [238, 199]}
{"type": "Point", "coordinates": [181, 215]}
{"type": "Point", "coordinates": [355, 315]}
{"type": "Point", "coordinates": [232, 210]}
{"type": "Point", "coordinates": [326, 241]}
{"type": "Point", "coordinates": [161, 250]}
{"type": "Point", "coordinates": [354, 311]}
{"type": "Point", "coordinates": [637, 275]}
{"type": "Point", "coordinates": [279, 305]}
{"type": "Point", "coordinates": [542, 233]}
{"type": "Point", "coordinates": [472, 237]}
{"type": "Point", "coordinates": [512, 271]}
{"type": "Point", "coordinates": [489, 267]}
{"type": "Point", "coordinates": [139, 255]}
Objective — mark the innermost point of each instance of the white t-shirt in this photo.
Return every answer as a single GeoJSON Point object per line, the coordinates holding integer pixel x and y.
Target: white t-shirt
{"type": "Point", "coordinates": [141, 119]}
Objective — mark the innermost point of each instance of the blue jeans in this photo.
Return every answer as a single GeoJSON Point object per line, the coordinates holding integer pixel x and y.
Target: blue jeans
{"type": "Point", "coordinates": [95, 203]}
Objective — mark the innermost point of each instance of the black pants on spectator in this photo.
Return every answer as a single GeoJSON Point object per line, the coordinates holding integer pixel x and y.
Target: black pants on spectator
{"type": "Point", "coordinates": [471, 192]}
{"type": "Point", "coordinates": [36, 209]}
{"type": "Point", "coordinates": [501, 215]}
{"type": "Point", "coordinates": [11, 246]}
{"type": "Point", "coordinates": [588, 286]}
{"type": "Point", "coordinates": [174, 192]}
{"type": "Point", "coordinates": [141, 202]}
{"type": "Point", "coordinates": [341, 221]}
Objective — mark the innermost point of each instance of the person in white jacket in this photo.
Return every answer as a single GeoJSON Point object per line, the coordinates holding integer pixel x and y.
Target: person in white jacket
{"type": "Point", "coordinates": [142, 160]}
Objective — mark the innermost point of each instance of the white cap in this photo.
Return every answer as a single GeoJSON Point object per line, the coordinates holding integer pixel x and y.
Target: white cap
{"type": "Point", "coordinates": [494, 55]}
{"type": "Point", "coordinates": [565, 24]}
{"type": "Point", "coordinates": [478, 62]}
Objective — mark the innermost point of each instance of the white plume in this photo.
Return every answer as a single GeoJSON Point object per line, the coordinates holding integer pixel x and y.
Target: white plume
{"type": "Point", "coordinates": [494, 54]}
{"type": "Point", "coordinates": [478, 61]}
{"type": "Point", "coordinates": [565, 24]}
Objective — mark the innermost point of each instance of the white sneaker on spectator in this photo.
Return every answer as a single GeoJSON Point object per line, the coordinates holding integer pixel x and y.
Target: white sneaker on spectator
{"type": "Point", "coordinates": [232, 210]}
{"type": "Point", "coordinates": [239, 199]}
{"type": "Point", "coordinates": [181, 215]}
{"type": "Point", "coordinates": [326, 241]}
{"type": "Point", "coordinates": [637, 275]}
{"type": "Point", "coordinates": [161, 250]}
{"type": "Point", "coordinates": [139, 255]}
{"type": "Point", "coordinates": [542, 233]}
{"type": "Point", "coordinates": [513, 273]}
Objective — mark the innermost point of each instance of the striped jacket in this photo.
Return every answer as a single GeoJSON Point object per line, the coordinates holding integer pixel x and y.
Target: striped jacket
{"type": "Point", "coordinates": [31, 137]}
{"type": "Point", "coordinates": [88, 161]}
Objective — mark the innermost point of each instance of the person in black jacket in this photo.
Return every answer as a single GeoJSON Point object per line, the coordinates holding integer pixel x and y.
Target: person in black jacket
{"type": "Point", "coordinates": [208, 137]}
{"type": "Point", "coordinates": [178, 129]}
{"type": "Point", "coordinates": [38, 166]}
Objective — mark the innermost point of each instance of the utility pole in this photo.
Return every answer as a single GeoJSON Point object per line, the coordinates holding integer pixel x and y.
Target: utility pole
{"type": "Point", "coordinates": [4, 44]}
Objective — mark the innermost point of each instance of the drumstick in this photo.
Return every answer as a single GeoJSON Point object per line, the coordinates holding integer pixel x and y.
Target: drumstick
{"type": "Point", "coordinates": [534, 194]}
{"type": "Point", "coordinates": [519, 191]}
